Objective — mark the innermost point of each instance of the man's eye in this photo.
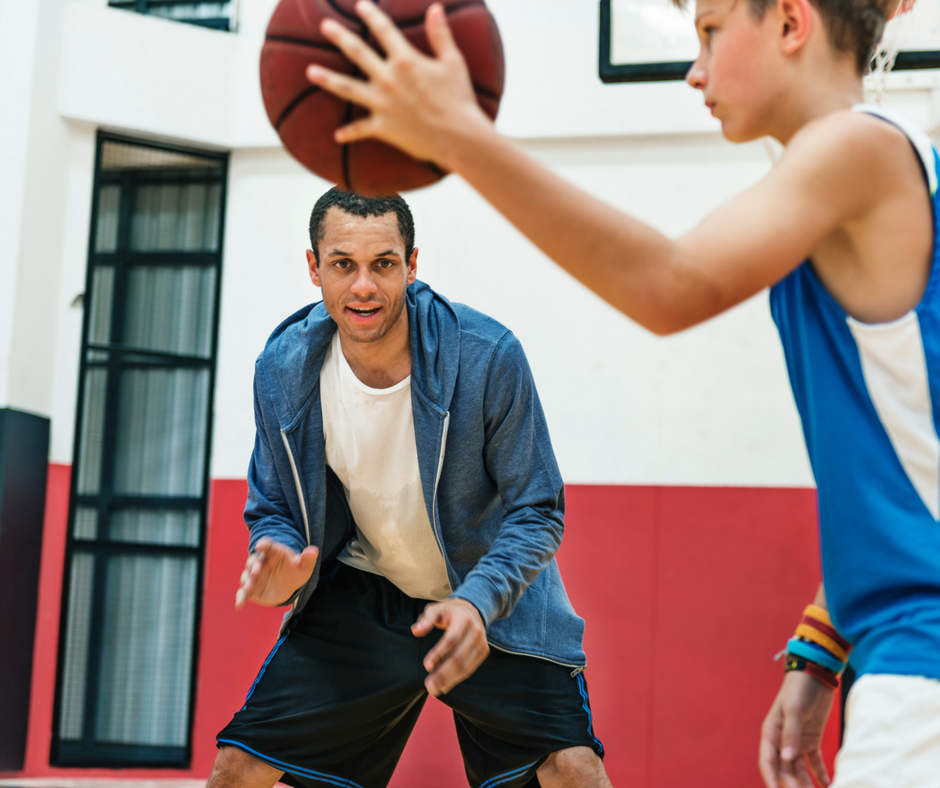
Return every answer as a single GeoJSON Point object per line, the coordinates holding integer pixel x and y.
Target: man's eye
{"type": "Point", "coordinates": [386, 263]}
{"type": "Point", "coordinates": [342, 263]}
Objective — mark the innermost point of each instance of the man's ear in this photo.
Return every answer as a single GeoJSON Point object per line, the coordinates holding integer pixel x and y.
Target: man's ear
{"type": "Point", "coordinates": [796, 24]}
{"type": "Point", "coordinates": [314, 268]}
{"type": "Point", "coordinates": [413, 266]}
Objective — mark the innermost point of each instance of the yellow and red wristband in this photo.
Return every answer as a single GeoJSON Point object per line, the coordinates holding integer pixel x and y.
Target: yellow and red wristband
{"type": "Point", "coordinates": [816, 627]}
{"type": "Point", "coordinates": [819, 648]}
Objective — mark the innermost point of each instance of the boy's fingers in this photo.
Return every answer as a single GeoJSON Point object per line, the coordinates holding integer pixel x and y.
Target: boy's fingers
{"type": "Point", "coordinates": [357, 130]}
{"type": "Point", "coordinates": [438, 31]}
{"type": "Point", "coordinates": [818, 768]}
{"type": "Point", "coordinates": [384, 30]}
{"type": "Point", "coordinates": [769, 763]}
{"type": "Point", "coordinates": [802, 775]}
{"type": "Point", "coordinates": [351, 45]}
{"type": "Point", "coordinates": [354, 90]}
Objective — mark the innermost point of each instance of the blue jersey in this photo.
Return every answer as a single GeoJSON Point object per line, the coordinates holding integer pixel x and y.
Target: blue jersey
{"type": "Point", "coordinates": [869, 399]}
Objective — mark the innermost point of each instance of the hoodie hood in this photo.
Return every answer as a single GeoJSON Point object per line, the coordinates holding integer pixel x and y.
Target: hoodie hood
{"type": "Point", "coordinates": [294, 353]}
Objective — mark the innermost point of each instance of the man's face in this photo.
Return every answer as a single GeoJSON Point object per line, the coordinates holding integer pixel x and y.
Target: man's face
{"type": "Point", "coordinates": [363, 273]}
{"type": "Point", "coordinates": [738, 67]}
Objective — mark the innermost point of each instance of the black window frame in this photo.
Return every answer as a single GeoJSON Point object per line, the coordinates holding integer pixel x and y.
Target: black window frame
{"type": "Point", "coordinates": [68, 753]}
{"type": "Point", "coordinates": [611, 73]}
{"type": "Point", "coordinates": [144, 6]}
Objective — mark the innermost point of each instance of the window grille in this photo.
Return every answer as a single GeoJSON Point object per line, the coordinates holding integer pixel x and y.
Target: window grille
{"type": "Point", "coordinates": [137, 516]}
{"type": "Point", "coordinates": [217, 14]}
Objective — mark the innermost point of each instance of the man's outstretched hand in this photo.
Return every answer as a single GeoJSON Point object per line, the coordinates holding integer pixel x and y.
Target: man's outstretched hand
{"type": "Point", "coordinates": [792, 733]}
{"type": "Point", "coordinates": [421, 104]}
{"type": "Point", "coordinates": [273, 572]}
{"type": "Point", "coordinates": [460, 651]}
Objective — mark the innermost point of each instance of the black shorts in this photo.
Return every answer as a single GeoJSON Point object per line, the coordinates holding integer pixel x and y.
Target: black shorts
{"type": "Point", "coordinates": [338, 697]}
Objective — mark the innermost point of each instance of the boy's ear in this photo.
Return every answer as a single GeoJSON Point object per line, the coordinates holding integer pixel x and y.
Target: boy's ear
{"type": "Point", "coordinates": [796, 24]}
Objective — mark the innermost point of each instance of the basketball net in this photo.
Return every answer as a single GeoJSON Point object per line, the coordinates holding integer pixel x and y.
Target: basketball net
{"type": "Point", "coordinates": [895, 34]}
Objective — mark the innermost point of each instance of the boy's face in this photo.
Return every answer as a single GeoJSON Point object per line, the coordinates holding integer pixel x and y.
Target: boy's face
{"type": "Point", "coordinates": [362, 273]}
{"type": "Point", "coordinates": [739, 68]}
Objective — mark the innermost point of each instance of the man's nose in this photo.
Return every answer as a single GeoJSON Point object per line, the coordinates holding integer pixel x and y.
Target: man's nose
{"type": "Point", "coordinates": [363, 285]}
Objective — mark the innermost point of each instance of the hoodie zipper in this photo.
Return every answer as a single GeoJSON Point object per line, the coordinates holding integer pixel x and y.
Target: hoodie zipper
{"type": "Point", "coordinates": [577, 668]}
{"type": "Point", "coordinates": [437, 481]}
{"type": "Point", "coordinates": [300, 492]}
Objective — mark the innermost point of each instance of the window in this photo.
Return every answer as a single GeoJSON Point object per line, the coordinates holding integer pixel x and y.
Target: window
{"type": "Point", "coordinates": [651, 40]}
{"type": "Point", "coordinates": [134, 552]}
{"type": "Point", "coordinates": [217, 14]}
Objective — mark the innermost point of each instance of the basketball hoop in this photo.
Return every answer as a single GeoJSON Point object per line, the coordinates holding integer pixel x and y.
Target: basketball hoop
{"type": "Point", "coordinates": [892, 41]}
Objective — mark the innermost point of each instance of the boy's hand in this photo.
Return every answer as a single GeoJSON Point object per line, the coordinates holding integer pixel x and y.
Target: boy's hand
{"type": "Point", "coordinates": [460, 651]}
{"type": "Point", "coordinates": [273, 572]}
{"type": "Point", "coordinates": [792, 732]}
{"type": "Point", "coordinates": [418, 103]}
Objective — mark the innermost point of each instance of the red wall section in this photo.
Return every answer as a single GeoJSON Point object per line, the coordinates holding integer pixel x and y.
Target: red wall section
{"type": "Point", "coordinates": [51, 568]}
{"type": "Point", "coordinates": [687, 593]}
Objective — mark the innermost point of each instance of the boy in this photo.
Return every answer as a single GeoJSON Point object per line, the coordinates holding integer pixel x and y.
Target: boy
{"type": "Point", "coordinates": [843, 231]}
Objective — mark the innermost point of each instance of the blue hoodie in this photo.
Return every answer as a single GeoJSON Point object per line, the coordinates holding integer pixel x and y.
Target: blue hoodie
{"type": "Point", "coordinates": [491, 485]}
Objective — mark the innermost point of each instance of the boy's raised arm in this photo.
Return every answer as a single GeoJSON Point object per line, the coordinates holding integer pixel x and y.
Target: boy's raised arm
{"type": "Point", "coordinates": [426, 106]}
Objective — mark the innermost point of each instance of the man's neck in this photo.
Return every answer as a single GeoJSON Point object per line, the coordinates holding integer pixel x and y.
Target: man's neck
{"type": "Point", "coordinates": [382, 363]}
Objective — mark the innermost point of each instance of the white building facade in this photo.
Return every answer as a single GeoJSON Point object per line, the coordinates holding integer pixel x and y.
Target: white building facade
{"type": "Point", "coordinates": [685, 452]}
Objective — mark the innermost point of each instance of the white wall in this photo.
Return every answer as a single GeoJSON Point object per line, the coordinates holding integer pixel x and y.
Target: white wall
{"type": "Point", "coordinates": [711, 406]}
{"type": "Point", "coordinates": [17, 59]}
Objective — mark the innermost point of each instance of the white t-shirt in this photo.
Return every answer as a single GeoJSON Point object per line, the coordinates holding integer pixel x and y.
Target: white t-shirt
{"type": "Point", "coordinates": [370, 445]}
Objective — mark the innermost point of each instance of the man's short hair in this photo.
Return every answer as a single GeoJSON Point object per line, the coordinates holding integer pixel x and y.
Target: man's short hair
{"type": "Point", "coordinates": [361, 205]}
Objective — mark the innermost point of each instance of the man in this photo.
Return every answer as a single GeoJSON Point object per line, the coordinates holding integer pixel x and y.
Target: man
{"type": "Point", "coordinates": [400, 441]}
{"type": "Point", "coordinates": [843, 231]}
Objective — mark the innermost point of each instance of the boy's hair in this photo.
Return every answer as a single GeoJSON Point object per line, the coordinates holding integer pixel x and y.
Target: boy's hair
{"type": "Point", "coordinates": [361, 205]}
{"type": "Point", "coordinates": [854, 26]}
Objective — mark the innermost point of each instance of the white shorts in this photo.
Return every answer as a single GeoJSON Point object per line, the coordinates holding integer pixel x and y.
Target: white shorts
{"type": "Point", "coordinates": [892, 734]}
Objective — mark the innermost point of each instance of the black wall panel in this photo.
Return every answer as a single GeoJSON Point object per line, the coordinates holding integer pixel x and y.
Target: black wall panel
{"type": "Point", "coordinates": [24, 458]}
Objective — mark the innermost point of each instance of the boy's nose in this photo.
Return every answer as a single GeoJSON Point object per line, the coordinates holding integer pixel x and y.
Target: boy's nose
{"type": "Point", "coordinates": [696, 76]}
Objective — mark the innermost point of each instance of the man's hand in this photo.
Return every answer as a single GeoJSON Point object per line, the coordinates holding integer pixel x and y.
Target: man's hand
{"type": "Point", "coordinates": [792, 732]}
{"type": "Point", "coordinates": [273, 572]}
{"type": "Point", "coordinates": [418, 103]}
{"type": "Point", "coordinates": [460, 651]}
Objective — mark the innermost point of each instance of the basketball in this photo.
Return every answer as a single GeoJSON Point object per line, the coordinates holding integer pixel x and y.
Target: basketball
{"type": "Point", "coordinates": [305, 116]}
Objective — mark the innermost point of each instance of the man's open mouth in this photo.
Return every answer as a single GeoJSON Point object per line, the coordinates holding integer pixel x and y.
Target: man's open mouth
{"type": "Point", "coordinates": [363, 311]}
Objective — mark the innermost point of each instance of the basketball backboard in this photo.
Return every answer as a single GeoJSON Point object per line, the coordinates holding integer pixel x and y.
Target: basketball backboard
{"type": "Point", "coordinates": [652, 40]}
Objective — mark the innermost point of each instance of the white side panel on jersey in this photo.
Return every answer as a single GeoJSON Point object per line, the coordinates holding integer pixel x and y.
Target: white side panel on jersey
{"type": "Point", "coordinates": [895, 371]}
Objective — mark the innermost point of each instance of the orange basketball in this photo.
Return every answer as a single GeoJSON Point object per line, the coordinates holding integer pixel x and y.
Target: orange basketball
{"type": "Point", "coordinates": [305, 116]}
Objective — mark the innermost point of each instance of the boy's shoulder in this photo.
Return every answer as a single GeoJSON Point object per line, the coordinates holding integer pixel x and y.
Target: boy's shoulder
{"type": "Point", "coordinates": [864, 143]}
